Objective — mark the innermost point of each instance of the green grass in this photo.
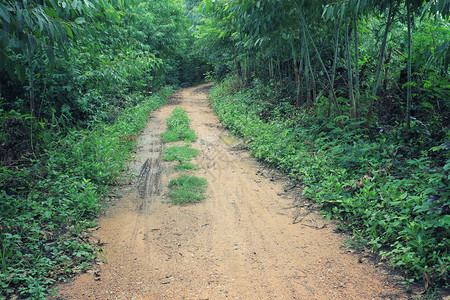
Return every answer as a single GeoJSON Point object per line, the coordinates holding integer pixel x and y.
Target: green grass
{"type": "Point", "coordinates": [178, 127]}
{"type": "Point", "coordinates": [179, 153]}
{"type": "Point", "coordinates": [186, 167]}
{"type": "Point", "coordinates": [187, 189]}
{"type": "Point", "coordinates": [179, 134]}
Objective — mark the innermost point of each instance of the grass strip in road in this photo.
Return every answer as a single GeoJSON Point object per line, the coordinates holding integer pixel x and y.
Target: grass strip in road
{"type": "Point", "coordinates": [178, 124]}
{"type": "Point", "coordinates": [187, 189]}
{"type": "Point", "coordinates": [182, 154]}
{"type": "Point", "coordinates": [179, 153]}
{"type": "Point", "coordinates": [186, 167]}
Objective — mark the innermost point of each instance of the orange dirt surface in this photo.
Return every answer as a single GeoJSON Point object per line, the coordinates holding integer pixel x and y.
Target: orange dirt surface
{"type": "Point", "coordinates": [252, 238]}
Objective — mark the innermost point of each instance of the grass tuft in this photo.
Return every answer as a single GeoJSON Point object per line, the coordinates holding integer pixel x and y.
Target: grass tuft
{"type": "Point", "coordinates": [187, 189]}
{"type": "Point", "coordinates": [186, 167]}
{"type": "Point", "coordinates": [178, 124]}
{"type": "Point", "coordinates": [179, 153]}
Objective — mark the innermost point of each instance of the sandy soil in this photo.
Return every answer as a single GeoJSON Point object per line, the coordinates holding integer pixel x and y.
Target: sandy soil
{"type": "Point", "coordinates": [239, 243]}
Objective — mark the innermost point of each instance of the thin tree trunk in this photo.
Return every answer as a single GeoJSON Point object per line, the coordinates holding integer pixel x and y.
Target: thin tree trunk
{"type": "Point", "coordinates": [237, 68]}
{"type": "Point", "coordinates": [31, 86]}
{"type": "Point", "coordinates": [390, 18]}
{"type": "Point", "coordinates": [300, 83]}
{"type": "Point", "coordinates": [31, 95]}
{"type": "Point", "coordinates": [314, 88]}
{"type": "Point", "coordinates": [349, 72]}
{"type": "Point", "coordinates": [297, 76]}
{"type": "Point", "coordinates": [408, 87]}
{"type": "Point", "coordinates": [333, 68]}
{"type": "Point", "coordinates": [336, 50]}
{"type": "Point", "coordinates": [311, 83]}
{"type": "Point", "coordinates": [279, 69]}
{"type": "Point", "coordinates": [270, 69]}
{"type": "Point", "coordinates": [357, 84]}
{"type": "Point", "coordinates": [322, 64]}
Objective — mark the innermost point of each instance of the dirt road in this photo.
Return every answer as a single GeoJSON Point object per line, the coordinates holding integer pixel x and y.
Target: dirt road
{"type": "Point", "coordinates": [239, 243]}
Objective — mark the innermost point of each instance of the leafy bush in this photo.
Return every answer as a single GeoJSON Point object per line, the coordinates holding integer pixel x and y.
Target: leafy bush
{"type": "Point", "coordinates": [388, 195]}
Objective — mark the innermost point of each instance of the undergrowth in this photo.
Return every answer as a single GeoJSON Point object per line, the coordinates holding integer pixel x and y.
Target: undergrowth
{"type": "Point", "coordinates": [48, 202]}
{"type": "Point", "coordinates": [391, 193]}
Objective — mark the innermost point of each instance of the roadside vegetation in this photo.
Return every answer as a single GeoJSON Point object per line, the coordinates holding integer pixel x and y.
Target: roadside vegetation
{"type": "Point", "coordinates": [48, 204]}
{"type": "Point", "coordinates": [78, 80]}
{"type": "Point", "coordinates": [386, 201]}
{"type": "Point", "coordinates": [352, 99]}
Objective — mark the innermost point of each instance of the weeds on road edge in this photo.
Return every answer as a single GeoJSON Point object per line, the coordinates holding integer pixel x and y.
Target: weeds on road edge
{"type": "Point", "coordinates": [46, 206]}
{"type": "Point", "coordinates": [392, 197]}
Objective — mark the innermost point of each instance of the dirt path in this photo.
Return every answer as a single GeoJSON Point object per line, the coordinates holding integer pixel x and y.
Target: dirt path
{"type": "Point", "coordinates": [239, 243]}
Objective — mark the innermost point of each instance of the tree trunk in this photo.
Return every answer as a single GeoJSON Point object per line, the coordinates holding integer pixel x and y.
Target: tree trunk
{"type": "Point", "coordinates": [300, 83]}
{"type": "Point", "coordinates": [31, 85]}
{"type": "Point", "coordinates": [333, 68]}
{"type": "Point", "coordinates": [336, 50]}
{"type": "Point", "coordinates": [333, 95]}
{"type": "Point", "coordinates": [390, 18]}
{"type": "Point", "coordinates": [311, 82]}
{"type": "Point", "coordinates": [408, 87]}
{"type": "Point", "coordinates": [237, 68]}
{"type": "Point", "coordinates": [297, 76]}
{"type": "Point", "coordinates": [357, 88]}
{"type": "Point", "coordinates": [349, 72]}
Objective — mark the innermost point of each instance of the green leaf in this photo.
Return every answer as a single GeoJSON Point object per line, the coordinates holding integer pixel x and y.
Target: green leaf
{"type": "Point", "coordinates": [69, 31]}
{"type": "Point", "coordinates": [80, 20]}
{"type": "Point", "coordinates": [50, 55]}
{"type": "Point", "coordinates": [21, 72]}
{"type": "Point", "coordinates": [444, 221]}
{"type": "Point", "coordinates": [31, 42]}
{"type": "Point", "coordinates": [51, 29]}
{"type": "Point", "coordinates": [4, 13]}
{"type": "Point", "coordinates": [47, 214]}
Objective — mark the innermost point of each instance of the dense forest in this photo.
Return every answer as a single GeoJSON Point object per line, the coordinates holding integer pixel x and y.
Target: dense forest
{"type": "Point", "coordinates": [350, 98]}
